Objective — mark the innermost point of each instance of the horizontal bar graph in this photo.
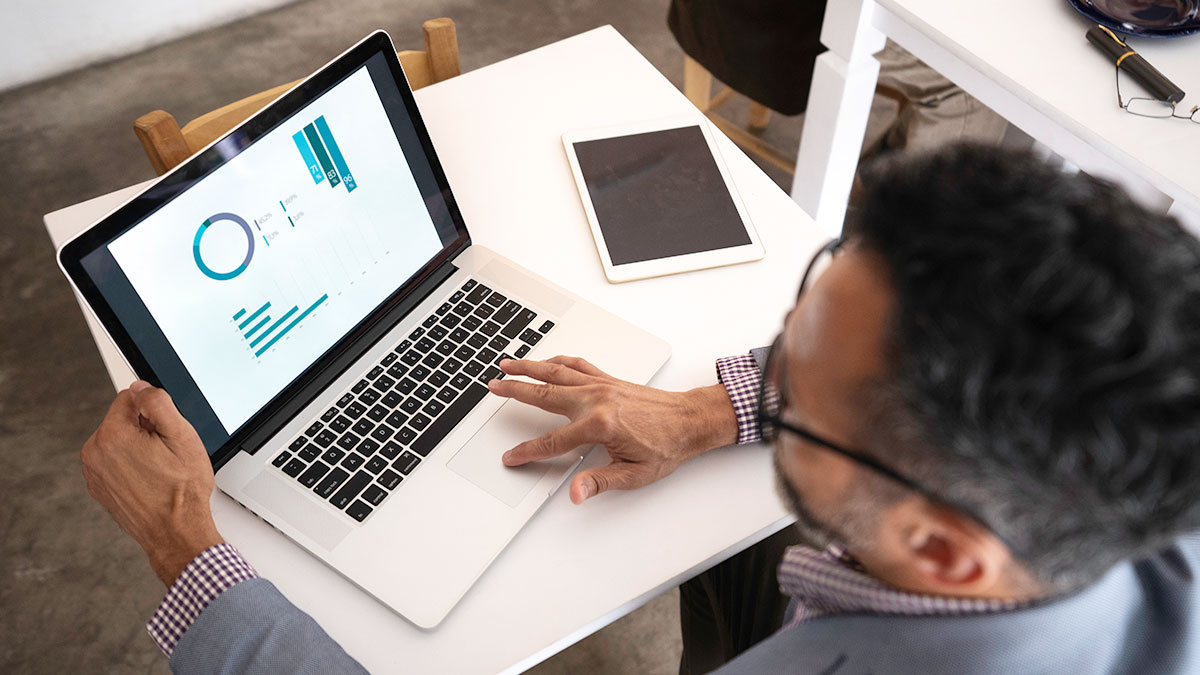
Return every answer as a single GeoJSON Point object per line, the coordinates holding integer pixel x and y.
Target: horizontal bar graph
{"type": "Point", "coordinates": [322, 155]}
{"type": "Point", "coordinates": [269, 335]}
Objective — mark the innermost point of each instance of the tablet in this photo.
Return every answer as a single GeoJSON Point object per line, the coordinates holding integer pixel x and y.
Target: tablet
{"type": "Point", "coordinates": [659, 199]}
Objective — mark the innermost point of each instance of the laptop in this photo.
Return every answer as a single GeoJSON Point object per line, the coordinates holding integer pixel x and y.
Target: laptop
{"type": "Point", "coordinates": [306, 290]}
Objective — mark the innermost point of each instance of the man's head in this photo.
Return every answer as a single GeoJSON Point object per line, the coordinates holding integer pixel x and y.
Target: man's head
{"type": "Point", "coordinates": [1022, 343]}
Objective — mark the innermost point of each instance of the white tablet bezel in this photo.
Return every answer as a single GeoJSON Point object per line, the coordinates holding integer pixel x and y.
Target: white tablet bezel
{"type": "Point", "coordinates": [672, 264]}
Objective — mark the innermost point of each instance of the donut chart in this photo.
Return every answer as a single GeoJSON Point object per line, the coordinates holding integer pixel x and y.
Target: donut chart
{"type": "Point", "coordinates": [204, 268]}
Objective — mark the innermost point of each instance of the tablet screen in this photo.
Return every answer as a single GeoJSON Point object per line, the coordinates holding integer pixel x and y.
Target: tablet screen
{"type": "Point", "coordinates": [659, 194]}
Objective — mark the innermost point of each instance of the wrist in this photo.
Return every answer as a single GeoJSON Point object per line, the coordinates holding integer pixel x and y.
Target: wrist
{"type": "Point", "coordinates": [712, 419]}
{"type": "Point", "coordinates": [175, 548]}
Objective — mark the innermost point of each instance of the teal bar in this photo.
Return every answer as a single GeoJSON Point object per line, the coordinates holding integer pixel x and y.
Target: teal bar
{"type": "Point", "coordinates": [290, 325]}
{"type": "Point", "coordinates": [242, 325]}
{"type": "Point", "coordinates": [239, 314]}
{"type": "Point", "coordinates": [250, 333]}
{"type": "Point", "coordinates": [282, 206]}
{"type": "Point", "coordinates": [322, 156]}
{"type": "Point", "coordinates": [291, 221]}
{"type": "Point", "coordinates": [336, 153]}
{"type": "Point", "coordinates": [309, 159]}
{"type": "Point", "coordinates": [273, 327]}
{"type": "Point", "coordinates": [265, 239]}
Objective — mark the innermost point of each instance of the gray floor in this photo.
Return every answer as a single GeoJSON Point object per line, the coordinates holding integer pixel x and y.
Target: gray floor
{"type": "Point", "coordinates": [74, 592]}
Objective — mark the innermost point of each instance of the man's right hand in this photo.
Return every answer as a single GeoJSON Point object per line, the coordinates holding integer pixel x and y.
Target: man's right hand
{"type": "Point", "coordinates": [648, 432]}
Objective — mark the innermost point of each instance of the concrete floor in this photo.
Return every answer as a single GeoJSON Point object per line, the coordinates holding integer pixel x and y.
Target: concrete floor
{"type": "Point", "coordinates": [74, 591]}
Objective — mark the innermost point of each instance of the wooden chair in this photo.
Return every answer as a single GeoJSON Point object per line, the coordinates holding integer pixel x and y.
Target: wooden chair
{"type": "Point", "coordinates": [166, 144]}
{"type": "Point", "coordinates": [697, 86]}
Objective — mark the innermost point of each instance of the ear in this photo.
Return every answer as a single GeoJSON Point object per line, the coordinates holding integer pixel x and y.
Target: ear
{"type": "Point", "coordinates": [949, 554]}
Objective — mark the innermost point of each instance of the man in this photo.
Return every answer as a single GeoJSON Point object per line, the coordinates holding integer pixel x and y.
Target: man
{"type": "Point", "coordinates": [985, 401]}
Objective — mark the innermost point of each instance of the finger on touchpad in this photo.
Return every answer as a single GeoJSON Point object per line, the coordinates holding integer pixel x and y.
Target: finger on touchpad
{"type": "Point", "coordinates": [479, 460]}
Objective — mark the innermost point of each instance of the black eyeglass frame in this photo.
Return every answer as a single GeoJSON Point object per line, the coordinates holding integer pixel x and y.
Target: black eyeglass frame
{"type": "Point", "coordinates": [770, 424]}
{"type": "Point", "coordinates": [1125, 103]}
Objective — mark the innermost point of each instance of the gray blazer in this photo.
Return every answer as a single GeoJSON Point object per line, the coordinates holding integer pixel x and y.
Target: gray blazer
{"type": "Point", "coordinates": [1140, 618]}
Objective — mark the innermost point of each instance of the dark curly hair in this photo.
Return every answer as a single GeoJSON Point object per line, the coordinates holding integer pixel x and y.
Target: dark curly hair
{"type": "Point", "coordinates": [1045, 353]}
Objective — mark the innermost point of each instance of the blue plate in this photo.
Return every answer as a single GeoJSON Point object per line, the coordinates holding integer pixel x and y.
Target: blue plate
{"type": "Point", "coordinates": [1144, 18]}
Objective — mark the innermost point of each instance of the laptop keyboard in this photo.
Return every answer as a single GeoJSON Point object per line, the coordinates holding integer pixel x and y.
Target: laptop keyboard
{"type": "Point", "coordinates": [377, 433]}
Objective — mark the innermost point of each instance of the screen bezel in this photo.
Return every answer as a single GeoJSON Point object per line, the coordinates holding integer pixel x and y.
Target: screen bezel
{"type": "Point", "coordinates": [674, 264]}
{"type": "Point", "coordinates": [207, 160]}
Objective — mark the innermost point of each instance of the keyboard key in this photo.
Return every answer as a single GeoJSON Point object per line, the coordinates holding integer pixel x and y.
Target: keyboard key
{"type": "Point", "coordinates": [373, 494]}
{"type": "Point", "coordinates": [384, 383]}
{"type": "Point", "coordinates": [432, 360]}
{"type": "Point", "coordinates": [458, 335]}
{"type": "Point", "coordinates": [451, 320]}
{"type": "Point", "coordinates": [477, 341]}
{"type": "Point", "coordinates": [406, 386]}
{"type": "Point", "coordinates": [472, 323]}
{"type": "Point", "coordinates": [351, 489]}
{"type": "Point", "coordinates": [449, 419]}
{"type": "Point", "coordinates": [531, 336]}
{"type": "Point", "coordinates": [367, 447]}
{"type": "Point", "coordinates": [362, 428]}
{"type": "Point", "coordinates": [458, 295]}
{"type": "Point", "coordinates": [313, 429]}
{"type": "Point", "coordinates": [355, 410]}
{"type": "Point", "coordinates": [329, 414]}
{"type": "Point", "coordinates": [489, 328]}
{"type": "Point", "coordinates": [462, 309]}
{"type": "Point", "coordinates": [389, 479]}
{"type": "Point", "coordinates": [419, 373]}
{"type": "Point", "coordinates": [369, 396]}
{"type": "Point", "coordinates": [325, 438]}
{"type": "Point", "coordinates": [519, 323]}
{"type": "Point", "coordinates": [447, 394]}
{"type": "Point", "coordinates": [490, 374]}
{"type": "Point", "coordinates": [352, 461]}
{"type": "Point", "coordinates": [501, 358]}
{"type": "Point", "coordinates": [477, 294]}
{"type": "Point", "coordinates": [443, 309]}
{"type": "Point", "coordinates": [382, 433]}
{"type": "Point", "coordinates": [452, 365]}
{"type": "Point", "coordinates": [429, 322]}
{"type": "Point", "coordinates": [359, 386]}
{"type": "Point", "coordinates": [281, 459]}
{"type": "Point", "coordinates": [411, 405]}
{"type": "Point", "coordinates": [438, 332]}
{"type": "Point", "coordinates": [405, 344]}
{"type": "Point", "coordinates": [424, 345]}
{"type": "Point", "coordinates": [390, 450]}
{"type": "Point", "coordinates": [313, 474]}
{"type": "Point", "coordinates": [417, 332]}
{"type": "Point", "coordinates": [348, 441]}
{"type": "Point", "coordinates": [460, 381]}
{"type": "Point", "coordinates": [388, 359]}
{"type": "Point", "coordinates": [374, 372]}
{"type": "Point", "coordinates": [434, 407]}
{"type": "Point", "coordinates": [545, 327]}
{"type": "Point", "coordinates": [424, 392]}
{"type": "Point", "coordinates": [506, 313]}
{"type": "Point", "coordinates": [293, 467]}
{"type": "Point", "coordinates": [469, 285]}
{"type": "Point", "coordinates": [411, 357]}
{"type": "Point", "coordinates": [473, 368]}
{"type": "Point", "coordinates": [332, 481]}
{"type": "Point", "coordinates": [309, 453]}
{"type": "Point", "coordinates": [419, 422]}
{"type": "Point", "coordinates": [405, 435]}
{"type": "Point", "coordinates": [499, 343]}
{"type": "Point", "coordinates": [522, 351]}
{"type": "Point", "coordinates": [495, 299]}
{"type": "Point", "coordinates": [392, 398]}
{"type": "Point", "coordinates": [358, 510]}
{"type": "Point", "coordinates": [298, 443]}
{"type": "Point", "coordinates": [396, 419]}
{"type": "Point", "coordinates": [464, 353]}
{"type": "Point", "coordinates": [483, 311]}
{"type": "Point", "coordinates": [345, 400]}
{"type": "Point", "coordinates": [333, 455]}
{"type": "Point", "coordinates": [397, 370]}
{"type": "Point", "coordinates": [376, 464]}
{"type": "Point", "coordinates": [446, 347]}
{"type": "Point", "coordinates": [377, 413]}
{"type": "Point", "coordinates": [406, 463]}
{"type": "Point", "coordinates": [437, 378]}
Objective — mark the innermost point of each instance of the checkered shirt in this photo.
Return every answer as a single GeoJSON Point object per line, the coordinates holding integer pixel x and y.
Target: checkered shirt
{"type": "Point", "coordinates": [212, 572]}
{"type": "Point", "coordinates": [741, 378]}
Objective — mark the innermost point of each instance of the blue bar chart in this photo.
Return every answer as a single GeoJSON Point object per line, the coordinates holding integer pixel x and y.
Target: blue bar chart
{"type": "Point", "coordinates": [260, 342]}
{"type": "Point", "coordinates": [322, 155]}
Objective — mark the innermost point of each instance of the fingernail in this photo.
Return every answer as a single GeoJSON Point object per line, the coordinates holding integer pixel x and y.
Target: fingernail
{"type": "Point", "coordinates": [492, 384]}
{"type": "Point", "coordinates": [507, 457]}
{"type": "Point", "coordinates": [138, 386]}
{"type": "Point", "coordinates": [585, 489]}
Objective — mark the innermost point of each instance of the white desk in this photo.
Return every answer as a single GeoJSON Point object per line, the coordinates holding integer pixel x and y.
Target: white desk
{"type": "Point", "coordinates": [1026, 59]}
{"type": "Point", "coordinates": [573, 569]}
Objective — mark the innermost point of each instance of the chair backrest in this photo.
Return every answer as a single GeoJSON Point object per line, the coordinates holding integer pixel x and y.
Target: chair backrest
{"type": "Point", "coordinates": [166, 144]}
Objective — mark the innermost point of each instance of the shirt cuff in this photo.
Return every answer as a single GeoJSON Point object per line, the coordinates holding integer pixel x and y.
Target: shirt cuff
{"type": "Point", "coordinates": [215, 570]}
{"type": "Point", "coordinates": [741, 377]}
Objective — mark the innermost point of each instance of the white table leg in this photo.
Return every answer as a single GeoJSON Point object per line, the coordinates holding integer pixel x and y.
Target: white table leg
{"type": "Point", "coordinates": [839, 104]}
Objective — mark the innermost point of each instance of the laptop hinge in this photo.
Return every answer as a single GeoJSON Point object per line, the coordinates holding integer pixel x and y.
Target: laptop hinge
{"type": "Point", "coordinates": [334, 369]}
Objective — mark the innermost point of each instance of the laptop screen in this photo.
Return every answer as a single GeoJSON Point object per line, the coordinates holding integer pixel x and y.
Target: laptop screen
{"type": "Point", "coordinates": [235, 286]}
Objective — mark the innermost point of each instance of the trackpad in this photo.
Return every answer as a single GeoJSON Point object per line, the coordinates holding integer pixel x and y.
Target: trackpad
{"type": "Point", "coordinates": [479, 460]}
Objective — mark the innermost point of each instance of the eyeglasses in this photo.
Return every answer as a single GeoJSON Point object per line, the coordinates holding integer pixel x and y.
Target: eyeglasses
{"type": "Point", "coordinates": [1153, 107]}
{"type": "Point", "coordinates": [771, 405]}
